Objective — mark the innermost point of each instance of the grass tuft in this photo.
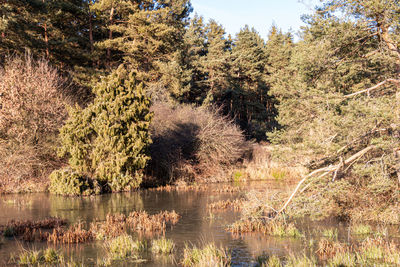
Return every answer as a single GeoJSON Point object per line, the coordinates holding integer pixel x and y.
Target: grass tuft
{"type": "Point", "coordinates": [208, 256]}
{"type": "Point", "coordinates": [123, 247]}
{"type": "Point", "coordinates": [162, 246]}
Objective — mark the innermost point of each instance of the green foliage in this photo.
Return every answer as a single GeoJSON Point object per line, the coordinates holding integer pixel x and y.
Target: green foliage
{"type": "Point", "coordinates": [123, 247]}
{"type": "Point", "coordinates": [40, 257]}
{"type": "Point", "coordinates": [210, 255]}
{"type": "Point", "coordinates": [69, 183]}
{"type": "Point", "coordinates": [162, 246]}
{"type": "Point", "coordinates": [108, 139]}
{"type": "Point", "coordinates": [325, 115]}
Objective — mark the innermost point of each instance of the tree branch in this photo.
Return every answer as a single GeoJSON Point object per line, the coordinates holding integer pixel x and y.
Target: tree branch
{"type": "Point", "coordinates": [325, 171]}
{"type": "Point", "coordinates": [374, 87]}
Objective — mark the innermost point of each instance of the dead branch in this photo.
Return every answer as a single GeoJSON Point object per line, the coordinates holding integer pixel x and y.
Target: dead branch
{"type": "Point", "coordinates": [325, 171]}
{"type": "Point", "coordinates": [374, 87]}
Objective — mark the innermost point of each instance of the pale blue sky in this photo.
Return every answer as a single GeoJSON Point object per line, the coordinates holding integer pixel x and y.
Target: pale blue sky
{"type": "Point", "coordinates": [260, 14]}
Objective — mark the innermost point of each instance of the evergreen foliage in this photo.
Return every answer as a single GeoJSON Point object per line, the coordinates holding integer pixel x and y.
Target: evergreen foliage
{"type": "Point", "coordinates": [108, 140]}
{"type": "Point", "coordinates": [69, 183]}
{"type": "Point", "coordinates": [338, 95]}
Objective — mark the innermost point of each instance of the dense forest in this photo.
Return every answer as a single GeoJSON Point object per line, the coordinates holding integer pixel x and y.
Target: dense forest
{"type": "Point", "coordinates": [108, 95]}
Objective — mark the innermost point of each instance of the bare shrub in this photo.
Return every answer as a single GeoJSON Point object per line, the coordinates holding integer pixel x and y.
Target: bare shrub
{"type": "Point", "coordinates": [31, 112]}
{"type": "Point", "coordinates": [193, 142]}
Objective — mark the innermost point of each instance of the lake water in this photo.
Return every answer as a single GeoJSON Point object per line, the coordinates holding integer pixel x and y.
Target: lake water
{"type": "Point", "coordinates": [195, 226]}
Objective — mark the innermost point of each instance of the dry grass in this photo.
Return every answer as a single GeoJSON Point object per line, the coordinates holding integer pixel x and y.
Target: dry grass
{"type": "Point", "coordinates": [30, 230]}
{"type": "Point", "coordinates": [31, 111]}
{"type": "Point", "coordinates": [182, 186]}
{"type": "Point", "coordinates": [260, 166]}
{"type": "Point", "coordinates": [74, 234]}
{"type": "Point", "coordinates": [226, 204]}
{"type": "Point", "coordinates": [138, 221]}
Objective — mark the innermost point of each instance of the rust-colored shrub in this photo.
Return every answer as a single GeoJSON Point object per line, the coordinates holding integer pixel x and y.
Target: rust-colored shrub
{"type": "Point", "coordinates": [193, 142]}
{"type": "Point", "coordinates": [31, 111]}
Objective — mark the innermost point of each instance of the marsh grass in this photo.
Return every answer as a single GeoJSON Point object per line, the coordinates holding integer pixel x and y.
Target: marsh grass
{"type": "Point", "coordinates": [235, 204]}
{"type": "Point", "coordinates": [34, 257]}
{"type": "Point", "coordinates": [361, 229]}
{"type": "Point", "coordinates": [209, 256]}
{"type": "Point", "coordinates": [268, 261]}
{"type": "Point", "coordinates": [29, 230]}
{"type": "Point", "coordinates": [276, 228]}
{"type": "Point", "coordinates": [124, 247]}
{"type": "Point", "coordinates": [285, 230]}
{"type": "Point", "coordinates": [162, 246]}
{"type": "Point", "coordinates": [331, 233]}
{"type": "Point", "coordinates": [343, 259]}
{"type": "Point", "coordinates": [301, 261]}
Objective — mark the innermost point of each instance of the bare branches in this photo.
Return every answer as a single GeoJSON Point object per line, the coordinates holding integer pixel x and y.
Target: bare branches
{"type": "Point", "coordinates": [325, 171]}
{"type": "Point", "coordinates": [368, 90]}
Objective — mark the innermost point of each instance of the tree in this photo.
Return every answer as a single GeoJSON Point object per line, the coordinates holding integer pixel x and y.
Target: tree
{"type": "Point", "coordinates": [108, 140]}
{"type": "Point", "coordinates": [339, 109]}
{"type": "Point", "coordinates": [195, 51]}
{"type": "Point", "coordinates": [216, 63]}
{"type": "Point", "coordinates": [249, 79]}
{"type": "Point", "coordinates": [145, 33]}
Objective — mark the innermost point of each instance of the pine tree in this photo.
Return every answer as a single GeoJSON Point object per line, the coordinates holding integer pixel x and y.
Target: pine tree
{"type": "Point", "coordinates": [249, 81]}
{"type": "Point", "coordinates": [108, 140]}
{"type": "Point", "coordinates": [216, 63]}
{"type": "Point", "coordinates": [21, 27]}
{"type": "Point", "coordinates": [195, 51]}
{"type": "Point", "coordinates": [145, 33]}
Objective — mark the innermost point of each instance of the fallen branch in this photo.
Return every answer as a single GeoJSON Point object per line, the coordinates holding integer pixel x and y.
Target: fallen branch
{"type": "Point", "coordinates": [325, 171]}
{"type": "Point", "coordinates": [373, 87]}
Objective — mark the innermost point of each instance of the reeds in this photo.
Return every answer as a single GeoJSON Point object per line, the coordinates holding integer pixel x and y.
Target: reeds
{"type": "Point", "coordinates": [209, 256]}
{"type": "Point", "coordinates": [235, 204]}
{"type": "Point", "coordinates": [74, 234]}
{"type": "Point", "coordinates": [40, 257]}
{"type": "Point", "coordinates": [162, 246]}
{"type": "Point", "coordinates": [29, 230]}
{"type": "Point", "coordinates": [271, 228]}
{"type": "Point", "coordinates": [123, 247]}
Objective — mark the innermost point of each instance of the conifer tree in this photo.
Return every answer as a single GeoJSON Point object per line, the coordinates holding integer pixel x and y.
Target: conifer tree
{"type": "Point", "coordinates": [249, 81]}
{"type": "Point", "coordinates": [108, 140]}
{"type": "Point", "coordinates": [195, 50]}
{"type": "Point", "coordinates": [145, 33]}
{"type": "Point", "coordinates": [216, 63]}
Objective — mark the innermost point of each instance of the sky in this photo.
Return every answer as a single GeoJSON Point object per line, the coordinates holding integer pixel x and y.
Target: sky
{"type": "Point", "coordinates": [260, 14]}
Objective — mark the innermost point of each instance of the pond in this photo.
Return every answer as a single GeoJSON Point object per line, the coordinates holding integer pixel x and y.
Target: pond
{"type": "Point", "coordinates": [195, 227]}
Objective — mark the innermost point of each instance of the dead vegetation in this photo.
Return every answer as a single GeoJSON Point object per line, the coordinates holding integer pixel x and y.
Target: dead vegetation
{"type": "Point", "coordinates": [193, 143]}
{"type": "Point", "coordinates": [235, 205]}
{"type": "Point", "coordinates": [182, 186]}
{"type": "Point", "coordinates": [31, 112]}
{"type": "Point", "coordinates": [30, 230]}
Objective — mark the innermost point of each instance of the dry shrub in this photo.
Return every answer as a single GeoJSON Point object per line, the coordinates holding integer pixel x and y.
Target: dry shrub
{"type": "Point", "coordinates": [31, 112]}
{"type": "Point", "coordinates": [192, 142]}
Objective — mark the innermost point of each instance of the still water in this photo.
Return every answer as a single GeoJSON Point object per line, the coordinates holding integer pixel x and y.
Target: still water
{"type": "Point", "coordinates": [195, 227]}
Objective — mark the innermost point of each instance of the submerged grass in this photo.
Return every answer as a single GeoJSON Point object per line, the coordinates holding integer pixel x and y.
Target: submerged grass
{"type": "Point", "coordinates": [370, 252]}
{"type": "Point", "coordinates": [162, 246]}
{"type": "Point", "coordinates": [330, 233]}
{"type": "Point", "coordinates": [124, 247]}
{"type": "Point", "coordinates": [272, 227]}
{"type": "Point", "coordinates": [28, 228]}
{"type": "Point", "coordinates": [48, 256]}
{"type": "Point", "coordinates": [209, 256]}
{"type": "Point", "coordinates": [361, 229]}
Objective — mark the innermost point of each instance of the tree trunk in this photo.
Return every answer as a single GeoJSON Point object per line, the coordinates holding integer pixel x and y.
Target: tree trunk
{"type": "Point", "coordinates": [91, 32]}
{"type": "Point", "coordinates": [110, 34]}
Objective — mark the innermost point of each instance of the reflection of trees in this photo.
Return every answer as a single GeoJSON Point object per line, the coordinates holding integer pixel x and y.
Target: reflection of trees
{"type": "Point", "coordinates": [95, 207]}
